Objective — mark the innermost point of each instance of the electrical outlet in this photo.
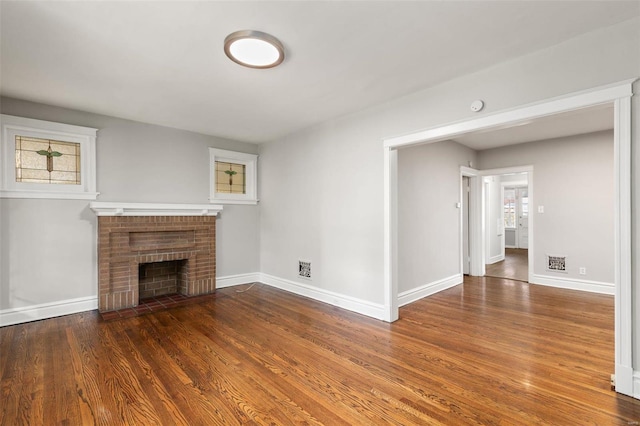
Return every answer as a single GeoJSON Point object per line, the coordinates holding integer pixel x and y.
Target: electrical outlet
{"type": "Point", "coordinates": [583, 271]}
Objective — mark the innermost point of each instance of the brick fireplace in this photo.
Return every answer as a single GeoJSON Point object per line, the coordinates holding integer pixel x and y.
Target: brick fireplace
{"type": "Point", "coordinates": [166, 247]}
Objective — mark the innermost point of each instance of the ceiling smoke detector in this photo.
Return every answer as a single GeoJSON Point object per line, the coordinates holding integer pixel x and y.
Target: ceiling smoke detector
{"type": "Point", "coordinates": [254, 49]}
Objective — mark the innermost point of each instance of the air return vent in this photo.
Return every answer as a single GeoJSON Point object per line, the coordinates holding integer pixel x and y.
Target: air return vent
{"type": "Point", "coordinates": [557, 263]}
{"type": "Point", "coordinates": [304, 269]}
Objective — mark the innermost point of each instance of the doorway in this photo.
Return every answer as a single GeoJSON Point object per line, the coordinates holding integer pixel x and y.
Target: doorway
{"type": "Point", "coordinates": [516, 217]}
{"type": "Point", "coordinates": [507, 226]}
{"type": "Point", "coordinates": [466, 252]}
{"type": "Point", "coordinates": [619, 97]}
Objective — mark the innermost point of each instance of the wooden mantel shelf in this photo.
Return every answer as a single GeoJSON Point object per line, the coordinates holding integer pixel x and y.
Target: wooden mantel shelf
{"type": "Point", "coordinates": [153, 209]}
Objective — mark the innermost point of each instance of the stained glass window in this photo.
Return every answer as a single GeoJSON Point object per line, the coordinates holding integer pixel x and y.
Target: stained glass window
{"type": "Point", "coordinates": [234, 177]}
{"type": "Point", "coordinates": [230, 178]}
{"type": "Point", "coordinates": [47, 161]}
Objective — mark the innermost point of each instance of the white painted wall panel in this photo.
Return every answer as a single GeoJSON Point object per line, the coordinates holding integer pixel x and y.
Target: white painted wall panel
{"type": "Point", "coordinates": [428, 219]}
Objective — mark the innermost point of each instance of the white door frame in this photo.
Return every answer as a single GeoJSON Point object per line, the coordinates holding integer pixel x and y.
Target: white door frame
{"type": "Point", "coordinates": [476, 222]}
{"type": "Point", "coordinates": [477, 231]}
{"type": "Point", "coordinates": [620, 95]}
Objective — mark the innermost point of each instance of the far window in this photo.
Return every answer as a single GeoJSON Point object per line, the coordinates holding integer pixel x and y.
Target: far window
{"type": "Point", "coordinates": [233, 177]}
{"type": "Point", "coordinates": [509, 208]}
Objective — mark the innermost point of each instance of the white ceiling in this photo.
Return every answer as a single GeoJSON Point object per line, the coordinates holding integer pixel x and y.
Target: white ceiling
{"type": "Point", "coordinates": [163, 62]}
{"type": "Point", "coordinates": [586, 120]}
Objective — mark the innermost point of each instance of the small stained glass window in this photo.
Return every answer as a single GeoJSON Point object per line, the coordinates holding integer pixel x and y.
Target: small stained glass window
{"type": "Point", "coordinates": [47, 161]}
{"type": "Point", "coordinates": [234, 177]}
{"type": "Point", "coordinates": [230, 178]}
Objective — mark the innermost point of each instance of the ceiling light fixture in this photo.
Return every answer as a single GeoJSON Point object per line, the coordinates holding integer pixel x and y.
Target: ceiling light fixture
{"type": "Point", "coordinates": [254, 49]}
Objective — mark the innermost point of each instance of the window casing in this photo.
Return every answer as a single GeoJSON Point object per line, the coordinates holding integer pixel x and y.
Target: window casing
{"type": "Point", "coordinates": [233, 177]}
{"type": "Point", "coordinates": [43, 159]}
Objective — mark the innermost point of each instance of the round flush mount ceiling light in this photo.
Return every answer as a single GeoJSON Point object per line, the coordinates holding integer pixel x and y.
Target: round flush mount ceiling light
{"type": "Point", "coordinates": [254, 49]}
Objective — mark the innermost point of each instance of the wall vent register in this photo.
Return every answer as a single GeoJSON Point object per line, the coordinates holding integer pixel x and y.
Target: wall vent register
{"type": "Point", "coordinates": [557, 263]}
{"type": "Point", "coordinates": [304, 269]}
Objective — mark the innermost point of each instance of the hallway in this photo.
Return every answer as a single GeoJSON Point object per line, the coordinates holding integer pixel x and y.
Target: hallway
{"type": "Point", "coordinates": [515, 266]}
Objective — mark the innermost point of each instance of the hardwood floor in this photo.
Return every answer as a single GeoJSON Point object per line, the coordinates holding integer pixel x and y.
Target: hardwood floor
{"type": "Point", "coordinates": [487, 352]}
{"type": "Point", "coordinates": [515, 266]}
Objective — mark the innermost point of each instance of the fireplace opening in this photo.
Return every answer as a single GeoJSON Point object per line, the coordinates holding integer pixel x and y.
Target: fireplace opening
{"type": "Point", "coordinates": [162, 278]}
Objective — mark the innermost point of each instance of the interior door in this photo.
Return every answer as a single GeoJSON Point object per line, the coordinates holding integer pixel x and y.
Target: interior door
{"type": "Point", "coordinates": [523, 217]}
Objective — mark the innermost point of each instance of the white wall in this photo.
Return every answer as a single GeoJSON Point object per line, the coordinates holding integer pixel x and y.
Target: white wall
{"type": "Point", "coordinates": [321, 201]}
{"type": "Point", "coordinates": [573, 180]}
{"type": "Point", "coordinates": [428, 219]}
{"type": "Point", "coordinates": [48, 247]}
{"type": "Point", "coordinates": [323, 187]}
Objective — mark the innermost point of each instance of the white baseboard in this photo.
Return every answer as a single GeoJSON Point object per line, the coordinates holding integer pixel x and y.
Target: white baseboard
{"type": "Point", "coordinates": [349, 303]}
{"type": "Point", "coordinates": [495, 259]}
{"type": "Point", "coordinates": [636, 384]}
{"type": "Point", "coordinates": [425, 290]}
{"type": "Point", "coordinates": [231, 280]}
{"type": "Point", "coordinates": [47, 310]}
{"type": "Point", "coordinates": [574, 284]}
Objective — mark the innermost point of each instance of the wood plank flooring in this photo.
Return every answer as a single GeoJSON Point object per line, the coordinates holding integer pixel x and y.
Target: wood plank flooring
{"type": "Point", "coordinates": [515, 266]}
{"type": "Point", "coordinates": [486, 352]}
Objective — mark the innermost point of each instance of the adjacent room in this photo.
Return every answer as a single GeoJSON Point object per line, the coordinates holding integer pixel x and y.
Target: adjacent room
{"type": "Point", "coordinates": [319, 212]}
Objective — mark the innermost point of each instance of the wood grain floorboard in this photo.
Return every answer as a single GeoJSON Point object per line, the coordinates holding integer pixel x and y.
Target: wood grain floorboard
{"type": "Point", "coordinates": [515, 266]}
{"type": "Point", "coordinates": [488, 352]}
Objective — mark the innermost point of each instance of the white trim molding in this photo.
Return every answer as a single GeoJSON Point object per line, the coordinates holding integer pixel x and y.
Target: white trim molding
{"type": "Point", "coordinates": [544, 108]}
{"type": "Point", "coordinates": [574, 284]}
{"type": "Point", "coordinates": [19, 126]}
{"type": "Point", "coordinates": [239, 279]}
{"type": "Point", "coordinates": [364, 307]}
{"type": "Point", "coordinates": [495, 259]}
{"type": "Point", "coordinates": [390, 260]}
{"type": "Point", "coordinates": [428, 289]}
{"type": "Point", "coordinates": [622, 242]}
{"type": "Point", "coordinates": [636, 384]}
{"type": "Point", "coordinates": [101, 208]}
{"type": "Point", "coordinates": [47, 310]}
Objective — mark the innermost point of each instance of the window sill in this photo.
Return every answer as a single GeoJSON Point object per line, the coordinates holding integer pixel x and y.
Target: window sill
{"type": "Point", "coordinates": [54, 195]}
{"type": "Point", "coordinates": [241, 202]}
